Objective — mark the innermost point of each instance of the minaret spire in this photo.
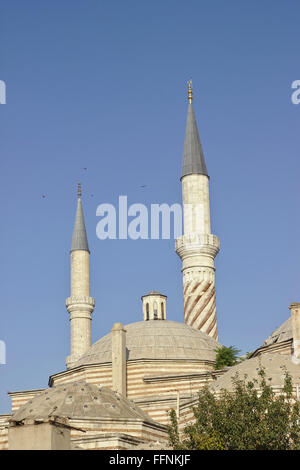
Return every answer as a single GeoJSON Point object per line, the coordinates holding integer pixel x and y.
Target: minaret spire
{"type": "Point", "coordinates": [197, 248]}
{"type": "Point", "coordinates": [193, 158]}
{"type": "Point", "coordinates": [79, 239]}
{"type": "Point", "coordinates": [79, 305]}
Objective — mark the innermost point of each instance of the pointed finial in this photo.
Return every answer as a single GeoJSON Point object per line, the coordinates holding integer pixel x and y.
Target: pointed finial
{"type": "Point", "coordinates": [79, 190]}
{"type": "Point", "coordinates": [190, 91]}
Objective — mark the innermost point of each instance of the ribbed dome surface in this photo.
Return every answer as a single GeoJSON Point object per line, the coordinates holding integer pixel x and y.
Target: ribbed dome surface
{"type": "Point", "coordinates": [155, 339]}
{"type": "Point", "coordinates": [78, 400]}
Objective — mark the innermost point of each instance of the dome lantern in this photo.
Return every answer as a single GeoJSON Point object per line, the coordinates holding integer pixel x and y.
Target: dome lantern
{"type": "Point", "coordinates": [154, 306]}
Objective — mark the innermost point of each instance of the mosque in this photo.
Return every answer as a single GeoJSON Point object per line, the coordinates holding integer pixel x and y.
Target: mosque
{"type": "Point", "coordinates": [116, 393]}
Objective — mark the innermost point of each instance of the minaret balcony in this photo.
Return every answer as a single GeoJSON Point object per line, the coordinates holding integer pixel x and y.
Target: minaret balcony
{"type": "Point", "coordinates": [80, 303]}
{"type": "Point", "coordinates": [205, 243]}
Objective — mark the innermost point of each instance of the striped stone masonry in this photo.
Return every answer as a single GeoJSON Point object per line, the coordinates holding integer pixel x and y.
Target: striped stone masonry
{"type": "Point", "coordinates": [153, 385]}
{"type": "Point", "coordinates": [4, 432]}
{"type": "Point", "coordinates": [197, 252]}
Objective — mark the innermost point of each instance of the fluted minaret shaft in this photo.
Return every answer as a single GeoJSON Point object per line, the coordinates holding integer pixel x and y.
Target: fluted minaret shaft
{"type": "Point", "coordinates": [79, 305]}
{"type": "Point", "coordinates": [197, 248]}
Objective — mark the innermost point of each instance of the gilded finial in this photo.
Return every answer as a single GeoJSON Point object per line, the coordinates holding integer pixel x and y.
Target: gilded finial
{"type": "Point", "coordinates": [190, 91]}
{"type": "Point", "coordinates": [79, 190]}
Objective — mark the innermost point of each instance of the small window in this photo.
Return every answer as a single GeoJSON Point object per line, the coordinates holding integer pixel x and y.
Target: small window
{"type": "Point", "coordinates": [147, 311]}
{"type": "Point", "coordinates": [155, 316]}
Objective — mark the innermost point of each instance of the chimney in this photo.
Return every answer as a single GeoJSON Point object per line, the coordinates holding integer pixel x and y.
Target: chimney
{"type": "Point", "coordinates": [295, 314]}
{"type": "Point", "coordinates": [118, 343]}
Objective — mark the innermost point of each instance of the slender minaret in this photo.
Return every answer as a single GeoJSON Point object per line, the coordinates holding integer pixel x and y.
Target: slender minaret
{"type": "Point", "coordinates": [197, 248]}
{"type": "Point", "coordinates": [79, 305]}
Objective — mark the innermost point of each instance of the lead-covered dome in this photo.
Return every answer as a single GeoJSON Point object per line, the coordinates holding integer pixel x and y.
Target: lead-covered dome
{"type": "Point", "coordinates": [275, 366]}
{"type": "Point", "coordinates": [79, 400]}
{"type": "Point", "coordinates": [155, 339]}
{"type": "Point", "coordinates": [283, 333]}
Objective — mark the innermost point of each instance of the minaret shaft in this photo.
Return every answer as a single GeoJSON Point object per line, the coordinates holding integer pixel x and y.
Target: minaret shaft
{"type": "Point", "coordinates": [80, 273]}
{"type": "Point", "coordinates": [197, 249]}
{"type": "Point", "coordinates": [80, 305]}
{"type": "Point", "coordinates": [195, 200]}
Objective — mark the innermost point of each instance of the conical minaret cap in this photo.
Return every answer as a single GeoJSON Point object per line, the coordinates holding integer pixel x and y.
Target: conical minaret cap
{"type": "Point", "coordinates": [193, 157]}
{"type": "Point", "coordinates": [79, 239]}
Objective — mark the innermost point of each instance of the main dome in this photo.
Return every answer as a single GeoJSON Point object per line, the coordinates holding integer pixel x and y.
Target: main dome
{"type": "Point", "coordinates": [155, 339]}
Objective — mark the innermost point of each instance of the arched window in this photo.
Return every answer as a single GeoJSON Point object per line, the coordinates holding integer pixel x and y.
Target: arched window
{"type": "Point", "coordinates": [162, 311]}
{"type": "Point", "coordinates": [155, 316]}
{"type": "Point", "coordinates": [147, 311]}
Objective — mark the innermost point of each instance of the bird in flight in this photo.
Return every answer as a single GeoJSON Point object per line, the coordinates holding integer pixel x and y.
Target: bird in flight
{"type": "Point", "coordinates": [143, 186]}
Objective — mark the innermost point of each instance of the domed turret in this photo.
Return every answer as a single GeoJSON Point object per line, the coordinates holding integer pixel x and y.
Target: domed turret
{"type": "Point", "coordinates": [154, 306]}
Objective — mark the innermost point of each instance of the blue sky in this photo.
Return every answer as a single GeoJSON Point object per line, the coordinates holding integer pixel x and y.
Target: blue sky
{"type": "Point", "coordinates": [102, 85]}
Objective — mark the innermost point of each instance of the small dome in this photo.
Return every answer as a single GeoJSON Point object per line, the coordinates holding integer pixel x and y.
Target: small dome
{"type": "Point", "coordinates": [154, 292]}
{"type": "Point", "coordinates": [155, 339]}
{"type": "Point", "coordinates": [283, 333]}
{"type": "Point", "coordinates": [275, 366]}
{"type": "Point", "coordinates": [78, 400]}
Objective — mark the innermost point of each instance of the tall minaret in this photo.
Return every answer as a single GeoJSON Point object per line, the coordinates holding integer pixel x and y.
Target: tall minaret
{"type": "Point", "coordinates": [79, 305]}
{"type": "Point", "coordinates": [197, 248]}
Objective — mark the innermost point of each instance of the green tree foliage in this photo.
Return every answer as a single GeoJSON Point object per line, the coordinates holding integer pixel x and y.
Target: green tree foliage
{"type": "Point", "coordinates": [201, 441]}
{"type": "Point", "coordinates": [251, 417]}
{"type": "Point", "coordinates": [226, 356]}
